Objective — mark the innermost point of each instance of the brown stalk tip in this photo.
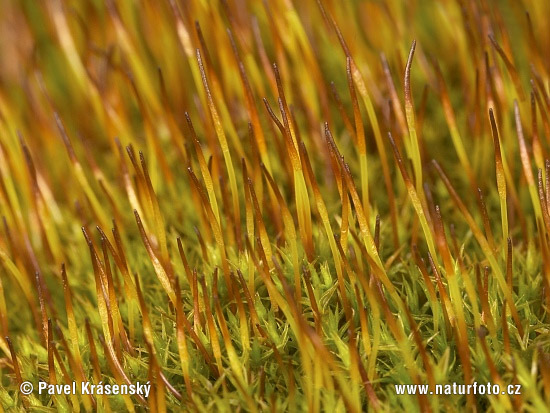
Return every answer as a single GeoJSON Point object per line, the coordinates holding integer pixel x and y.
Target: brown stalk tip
{"type": "Point", "coordinates": [408, 72]}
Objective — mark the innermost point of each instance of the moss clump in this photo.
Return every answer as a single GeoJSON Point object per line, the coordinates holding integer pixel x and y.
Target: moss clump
{"type": "Point", "coordinates": [279, 205]}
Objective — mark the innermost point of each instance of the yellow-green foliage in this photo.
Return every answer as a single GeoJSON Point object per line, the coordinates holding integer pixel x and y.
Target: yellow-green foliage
{"type": "Point", "coordinates": [275, 205]}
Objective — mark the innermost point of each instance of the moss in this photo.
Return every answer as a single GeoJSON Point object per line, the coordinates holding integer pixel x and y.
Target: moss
{"type": "Point", "coordinates": [251, 254]}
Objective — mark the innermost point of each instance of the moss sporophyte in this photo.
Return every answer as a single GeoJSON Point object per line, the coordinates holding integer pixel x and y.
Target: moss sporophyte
{"type": "Point", "coordinates": [285, 205]}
